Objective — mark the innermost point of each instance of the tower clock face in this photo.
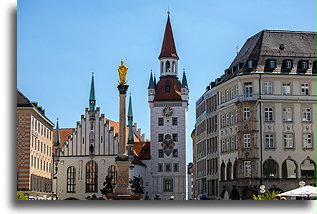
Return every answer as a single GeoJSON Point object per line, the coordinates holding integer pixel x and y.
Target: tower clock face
{"type": "Point", "coordinates": [167, 111]}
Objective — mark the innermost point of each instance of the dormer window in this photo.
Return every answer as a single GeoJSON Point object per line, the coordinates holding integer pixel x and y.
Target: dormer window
{"type": "Point", "coordinates": [314, 67]}
{"type": "Point", "coordinates": [287, 65]}
{"type": "Point", "coordinates": [302, 65]}
{"type": "Point", "coordinates": [272, 63]}
{"type": "Point", "coordinates": [250, 64]}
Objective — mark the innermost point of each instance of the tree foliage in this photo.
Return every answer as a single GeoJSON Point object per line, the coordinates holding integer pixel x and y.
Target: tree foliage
{"type": "Point", "coordinates": [20, 196]}
{"type": "Point", "coordinates": [266, 196]}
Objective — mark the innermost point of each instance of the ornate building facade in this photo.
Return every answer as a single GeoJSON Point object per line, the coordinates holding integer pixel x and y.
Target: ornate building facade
{"type": "Point", "coordinates": [266, 115]}
{"type": "Point", "coordinates": [168, 102]}
{"type": "Point", "coordinates": [86, 154]}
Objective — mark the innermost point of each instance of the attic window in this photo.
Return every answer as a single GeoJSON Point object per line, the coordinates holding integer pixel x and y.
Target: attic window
{"type": "Point", "coordinates": [314, 67]}
{"type": "Point", "coordinates": [287, 64]}
{"type": "Point", "coordinates": [281, 47]}
{"type": "Point", "coordinates": [250, 64]}
{"type": "Point", "coordinates": [270, 64]}
{"type": "Point", "coordinates": [302, 65]}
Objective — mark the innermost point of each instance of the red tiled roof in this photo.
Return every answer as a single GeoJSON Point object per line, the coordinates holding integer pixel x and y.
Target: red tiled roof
{"type": "Point", "coordinates": [63, 133]}
{"type": "Point", "coordinates": [168, 46]}
{"type": "Point", "coordinates": [175, 89]}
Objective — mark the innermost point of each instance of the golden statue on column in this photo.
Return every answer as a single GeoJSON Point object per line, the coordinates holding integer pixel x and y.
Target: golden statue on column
{"type": "Point", "coordinates": [123, 70]}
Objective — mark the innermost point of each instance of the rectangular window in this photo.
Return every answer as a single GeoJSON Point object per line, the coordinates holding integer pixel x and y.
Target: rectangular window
{"type": "Point", "coordinates": [250, 64]}
{"type": "Point", "coordinates": [160, 121]}
{"type": "Point", "coordinates": [232, 144]}
{"type": "Point", "coordinates": [175, 137]}
{"type": "Point", "coordinates": [268, 114]}
{"type": "Point", "coordinates": [247, 169]}
{"type": "Point", "coordinates": [232, 117]}
{"type": "Point", "coordinates": [268, 88]}
{"type": "Point", "coordinates": [272, 64]}
{"type": "Point", "coordinates": [308, 143]}
{"type": "Point", "coordinates": [168, 167]}
{"type": "Point", "coordinates": [287, 114]}
{"type": "Point", "coordinates": [269, 141]}
{"type": "Point", "coordinates": [248, 90]}
{"type": "Point", "coordinates": [305, 89]}
{"type": "Point", "coordinates": [160, 167]}
{"type": "Point", "coordinates": [175, 153]}
{"type": "Point", "coordinates": [168, 185]}
{"type": "Point", "coordinates": [232, 93]}
{"type": "Point", "coordinates": [286, 88]}
{"type": "Point", "coordinates": [246, 113]}
{"type": "Point", "coordinates": [160, 137]}
{"type": "Point", "coordinates": [246, 141]}
{"type": "Point", "coordinates": [288, 141]}
{"type": "Point", "coordinates": [306, 114]}
{"type": "Point", "coordinates": [174, 121]}
{"type": "Point", "coordinates": [288, 64]}
{"type": "Point", "coordinates": [160, 153]}
{"type": "Point", "coordinates": [175, 167]}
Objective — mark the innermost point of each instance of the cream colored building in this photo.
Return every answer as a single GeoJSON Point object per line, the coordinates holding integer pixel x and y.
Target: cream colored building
{"type": "Point", "coordinates": [266, 115]}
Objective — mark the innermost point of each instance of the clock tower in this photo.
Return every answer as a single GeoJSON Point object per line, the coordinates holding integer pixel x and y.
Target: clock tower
{"type": "Point", "coordinates": [168, 102]}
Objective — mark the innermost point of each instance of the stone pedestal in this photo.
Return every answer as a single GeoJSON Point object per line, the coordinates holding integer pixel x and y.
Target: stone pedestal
{"type": "Point", "coordinates": [122, 187]}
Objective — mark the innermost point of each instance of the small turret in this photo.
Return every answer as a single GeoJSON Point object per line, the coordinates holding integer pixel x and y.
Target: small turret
{"type": "Point", "coordinates": [130, 135]}
{"type": "Point", "coordinates": [151, 89]}
{"type": "Point", "coordinates": [92, 99]}
{"type": "Point", "coordinates": [184, 87]}
{"type": "Point", "coordinates": [57, 141]}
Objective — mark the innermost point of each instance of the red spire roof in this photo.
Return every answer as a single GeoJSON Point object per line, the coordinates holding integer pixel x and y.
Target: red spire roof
{"type": "Point", "coordinates": [168, 46]}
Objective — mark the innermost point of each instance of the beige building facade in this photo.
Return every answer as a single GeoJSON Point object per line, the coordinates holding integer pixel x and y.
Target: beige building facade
{"type": "Point", "coordinates": [266, 115]}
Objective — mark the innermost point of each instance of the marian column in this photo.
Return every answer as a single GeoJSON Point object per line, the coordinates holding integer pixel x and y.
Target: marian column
{"type": "Point", "coordinates": [122, 162]}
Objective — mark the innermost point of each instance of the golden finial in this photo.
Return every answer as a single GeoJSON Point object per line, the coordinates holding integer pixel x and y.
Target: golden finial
{"type": "Point", "coordinates": [168, 10]}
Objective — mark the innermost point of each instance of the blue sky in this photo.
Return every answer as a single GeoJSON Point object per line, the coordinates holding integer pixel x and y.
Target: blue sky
{"type": "Point", "coordinates": [60, 43]}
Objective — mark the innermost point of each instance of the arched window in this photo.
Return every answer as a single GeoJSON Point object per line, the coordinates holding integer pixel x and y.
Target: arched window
{"type": "Point", "coordinates": [113, 173]}
{"type": "Point", "coordinates": [235, 170]}
{"type": "Point", "coordinates": [92, 137]}
{"type": "Point", "coordinates": [289, 169]}
{"type": "Point", "coordinates": [167, 87]}
{"type": "Point", "coordinates": [222, 172]}
{"type": "Point", "coordinates": [71, 179]}
{"type": "Point", "coordinates": [162, 67]}
{"type": "Point", "coordinates": [91, 176]}
{"type": "Point", "coordinates": [270, 169]}
{"type": "Point", "coordinates": [308, 169]}
{"type": "Point", "coordinates": [167, 66]}
{"type": "Point", "coordinates": [229, 170]}
{"type": "Point", "coordinates": [173, 66]}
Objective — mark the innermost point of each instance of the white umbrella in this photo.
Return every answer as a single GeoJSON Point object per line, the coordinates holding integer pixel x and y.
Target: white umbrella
{"type": "Point", "coordinates": [306, 191]}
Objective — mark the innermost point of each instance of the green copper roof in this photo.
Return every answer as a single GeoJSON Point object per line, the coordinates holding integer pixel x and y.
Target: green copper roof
{"type": "Point", "coordinates": [130, 114]}
{"type": "Point", "coordinates": [57, 135]}
{"type": "Point", "coordinates": [92, 99]}
{"type": "Point", "coordinates": [130, 122]}
{"type": "Point", "coordinates": [184, 81]}
{"type": "Point", "coordinates": [151, 83]}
